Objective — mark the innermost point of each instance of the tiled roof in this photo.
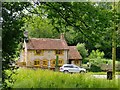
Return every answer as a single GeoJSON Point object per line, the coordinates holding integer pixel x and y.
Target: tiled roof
{"type": "Point", "coordinates": [46, 43]}
{"type": "Point", "coordinates": [73, 53]}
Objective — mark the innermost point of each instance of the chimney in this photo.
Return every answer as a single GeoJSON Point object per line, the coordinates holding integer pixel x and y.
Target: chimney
{"type": "Point", "coordinates": [62, 36]}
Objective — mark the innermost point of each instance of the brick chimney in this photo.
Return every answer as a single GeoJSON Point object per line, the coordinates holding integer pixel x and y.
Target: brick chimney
{"type": "Point", "coordinates": [62, 36]}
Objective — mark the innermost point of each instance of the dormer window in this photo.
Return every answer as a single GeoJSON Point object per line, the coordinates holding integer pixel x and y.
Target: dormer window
{"type": "Point", "coordinates": [39, 52]}
{"type": "Point", "coordinates": [59, 52]}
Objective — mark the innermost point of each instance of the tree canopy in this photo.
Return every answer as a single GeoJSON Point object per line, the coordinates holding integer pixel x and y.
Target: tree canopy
{"type": "Point", "coordinates": [82, 22]}
{"type": "Point", "coordinates": [11, 34]}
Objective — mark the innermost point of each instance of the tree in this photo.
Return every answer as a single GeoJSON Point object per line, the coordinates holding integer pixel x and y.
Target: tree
{"type": "Point", "coordinates": [11, 35]}
{"type": "Point", "coordinates": [114, 34]}
{"type": "Point", "coordinates": [85, 18]}
{"type": "Point", "coordinates": [39, 27]}
{"type": "Point", "coordinates": [92, 21]}
{"type": "Point", "coordinates": [81, 22]}
{"type": "Point", "coordinates": [82, 50]}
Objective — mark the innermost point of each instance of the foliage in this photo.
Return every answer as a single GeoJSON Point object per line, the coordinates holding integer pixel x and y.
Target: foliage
{"type": "Point", "coordinates": [92, 23]}
{"type": "Point", "coordinates": [104, 64]}
{"type": "Point", "coordinates": [39, 27]}
{"type": "Point", "coordinates": [28, 78]}
{"type": "Point", "coordinates": [96, 54]}
{"type": "Point", "coordinates": [81, 22]}
{"type": "Point", "coordinates": [95, 68]}
{"type": "Point", "coordinates": [95, 59]}
{"type": "Point", "coordinates": [11, 34]}
{"type": "Point", "coordinates": [82, 50]}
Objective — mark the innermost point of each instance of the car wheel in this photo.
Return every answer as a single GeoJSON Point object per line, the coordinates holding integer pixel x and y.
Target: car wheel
{"type": "Point", "coordinates": [66, 71]}
{"type": "Point", "coordinates": [82, 71]}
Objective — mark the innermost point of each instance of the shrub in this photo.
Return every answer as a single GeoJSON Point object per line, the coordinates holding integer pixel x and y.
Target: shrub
{"type": "Point", "coordinates": [96, 54]}
{"type": "Point", "coordinates": [95, 68]}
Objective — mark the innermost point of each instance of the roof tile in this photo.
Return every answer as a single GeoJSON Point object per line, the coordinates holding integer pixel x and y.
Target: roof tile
{"type": "Point", "coordinates": [73, 53]}
{"type": "Point", "coordinates": [46, 43]}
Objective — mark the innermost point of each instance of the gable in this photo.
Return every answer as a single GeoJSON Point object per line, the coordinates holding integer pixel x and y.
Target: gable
{"type": "Point", "coordinates": [73, 53]}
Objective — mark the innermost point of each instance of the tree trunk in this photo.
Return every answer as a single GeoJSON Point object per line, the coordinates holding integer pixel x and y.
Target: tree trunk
{"type": "Point", "coordinates": [113, 53]}
{"type": "Point", "coordinates": [114, 42]}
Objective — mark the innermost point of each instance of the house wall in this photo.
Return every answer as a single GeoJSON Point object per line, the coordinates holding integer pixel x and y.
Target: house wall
{"type": "Point", "coordinates": [76, 62]}
{"type": "Point", "coordinates": [22, 55]}
{"type": "Point", "coordinates": [47, 55]}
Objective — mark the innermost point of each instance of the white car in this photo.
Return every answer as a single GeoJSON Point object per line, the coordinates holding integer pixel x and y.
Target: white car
{"type": "Point", "coordinates": [71, 68]}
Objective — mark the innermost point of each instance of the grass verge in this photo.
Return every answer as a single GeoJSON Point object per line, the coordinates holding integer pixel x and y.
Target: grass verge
{"type": "Point", "coordinates": [28, 78]}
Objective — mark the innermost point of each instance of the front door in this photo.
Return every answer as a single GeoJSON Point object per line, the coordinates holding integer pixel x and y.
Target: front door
{"type": "Point", "coordinates": [69, 62]}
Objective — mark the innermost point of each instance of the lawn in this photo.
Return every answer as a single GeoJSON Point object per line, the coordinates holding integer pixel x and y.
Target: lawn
{"type": "Point", "coordinates": [28, 78]}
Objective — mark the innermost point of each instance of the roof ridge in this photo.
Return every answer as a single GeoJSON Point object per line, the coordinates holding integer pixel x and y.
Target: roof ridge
{"type": "Point", "coordinates": [72, 46]}
{"type": "Point", "coordinates": [45, 38]}
{"type": "Point", "coordinates": [48, 43]}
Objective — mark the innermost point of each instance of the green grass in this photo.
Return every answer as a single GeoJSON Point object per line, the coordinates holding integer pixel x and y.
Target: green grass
{"type": "Point", "coordinates": [28, 78]}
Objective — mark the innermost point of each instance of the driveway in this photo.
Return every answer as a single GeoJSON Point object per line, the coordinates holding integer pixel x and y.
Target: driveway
{"type": "Point", "coordinates": [104, 76]}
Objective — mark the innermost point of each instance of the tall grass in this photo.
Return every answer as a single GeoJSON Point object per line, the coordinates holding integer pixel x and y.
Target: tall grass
{"type": "Point", "coordinates": [28, 78]}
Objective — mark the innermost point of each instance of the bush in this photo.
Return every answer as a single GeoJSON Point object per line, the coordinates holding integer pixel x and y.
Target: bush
{"type": "Point", "coordinates": [85, 60]}
{"type": "Point", "coordinates": [96, 54]}
{"type": "Point", "coordinates": [96, 59]}
{"type": "Point", "coordinates": [95, 68]}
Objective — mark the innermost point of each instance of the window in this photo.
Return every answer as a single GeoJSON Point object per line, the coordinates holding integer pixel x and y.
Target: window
{"type": "Point", "coordinates": [39, 52]}
{"type": "Point", "coordinates": [60, 62]}
{"type": "Point", "coordinates": [45, 63]}
{"type": "Point", "coordinates": [23, 63]}
{"type": "Point", "coordinates": [75, 67]}
{"type": "Point", "coordinates": [49, 51]}
{"type": "Point", "coordinates": [59, 52]}
{"type": "Point", "coordinates": [68, 66]}
{"type": "Point", "coordinates": [52, 63]}
{"type": "Point", "coordinates": [36, 63]}
{"type": "Point", "coordinates": [76, 62]}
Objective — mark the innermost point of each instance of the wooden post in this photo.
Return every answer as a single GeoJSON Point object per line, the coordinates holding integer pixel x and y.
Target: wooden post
{"type": "Point", "coordinates": [113, 55]}
{"type": "Point", "coordinates": [114, 44]}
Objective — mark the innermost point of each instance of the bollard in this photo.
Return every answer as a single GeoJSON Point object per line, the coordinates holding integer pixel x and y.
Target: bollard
{"type": "Point", "coordinates": [109, 75]}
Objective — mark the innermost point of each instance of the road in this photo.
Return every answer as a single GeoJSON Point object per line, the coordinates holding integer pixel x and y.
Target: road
{"type": "Point", "coordinates": [105, 76]}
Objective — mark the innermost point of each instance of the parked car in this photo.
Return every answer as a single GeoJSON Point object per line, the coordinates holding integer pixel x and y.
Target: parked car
{"type": "Point", "coordinates": [71, 68]}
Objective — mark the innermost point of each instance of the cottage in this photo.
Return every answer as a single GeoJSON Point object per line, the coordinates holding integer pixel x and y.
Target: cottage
{"type": "Point", "coordinates": [42, 53]}
{"type": "Point", "coordinates": [74, 56]}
